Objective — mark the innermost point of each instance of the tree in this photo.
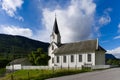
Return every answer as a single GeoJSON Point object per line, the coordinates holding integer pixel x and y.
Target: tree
{"type": "Point", "coordinates": [113, 62]}
{"type": "Point", "coordinates": [38, 57]}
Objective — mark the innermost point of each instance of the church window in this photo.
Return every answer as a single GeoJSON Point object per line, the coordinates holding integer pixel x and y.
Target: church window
{"type": "Point", "coordinates": [52, 60]}
{"type": "Point", "coordinates": [52, 47]}
{"type": "Point", "coordinates": [57, 59]}
{"type": "Point", "coordinates": [89, 57]}
{"type": "Point", "coordinates": [53, 36]}
{"type": "Point", "coordinates": [64, 59]}
{"type": "Point", "coordinates": [72, 58]}
{"type": "Point", "coordinates": [80, 58]}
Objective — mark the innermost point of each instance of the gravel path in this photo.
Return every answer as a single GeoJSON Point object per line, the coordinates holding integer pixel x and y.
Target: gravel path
{"type": "Point", "coordinates": [109, 74]}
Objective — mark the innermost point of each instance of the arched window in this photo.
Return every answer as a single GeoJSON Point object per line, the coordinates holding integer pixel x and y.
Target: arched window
{"type": "Point", "coordinates": [52, 47]}
{"type": "Point", "coordinates": [80, 58]}
{"type": "Point", "coordinates": [53, 36]}
{"type": "Point", "coordinates": [72, 58]}
{"type": "Point", "coordinates": [57, 58]}
{"type": "Point", "coordinates": [52, 60]}
{"type": "Point", "coordinates": [64, 59]}
{"type": "Point", "coordinates": [89, 57]}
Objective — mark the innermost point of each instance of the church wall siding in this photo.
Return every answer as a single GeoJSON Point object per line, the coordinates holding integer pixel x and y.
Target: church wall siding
{"type": "Point", "coordinates": [50, 50]}
{"type": "Point", "coordinates": [100, 58]}
{"type": "Point", "coordinates": [76, 62]}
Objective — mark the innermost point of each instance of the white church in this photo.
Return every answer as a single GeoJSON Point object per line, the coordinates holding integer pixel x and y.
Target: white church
{"type": "Point", "coordinates": [75, 54]}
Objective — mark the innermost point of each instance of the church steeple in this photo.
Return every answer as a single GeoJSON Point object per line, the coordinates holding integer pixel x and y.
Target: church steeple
{"type": "Point", "coordinates": [55, 27]}
{"type": "Point", "coordinates": [55, 37]}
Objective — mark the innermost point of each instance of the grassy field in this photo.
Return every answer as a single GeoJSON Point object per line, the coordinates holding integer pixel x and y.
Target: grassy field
{"type": "Point", "coordinates": [40, 74]}
{"type": "Point", "coordinates": [2, 71]}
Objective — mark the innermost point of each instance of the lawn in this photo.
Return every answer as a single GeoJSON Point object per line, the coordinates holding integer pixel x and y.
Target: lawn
{"type": "Point", "coordinates": [41, 74]}
{"type": "Point", "coordinates": [2, 71]}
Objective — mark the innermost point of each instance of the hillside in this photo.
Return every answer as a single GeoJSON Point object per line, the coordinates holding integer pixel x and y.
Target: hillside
{"type": "Point", "coordinates": [19, 45]}
{"type": "Point", "coordinates": [109, 56]}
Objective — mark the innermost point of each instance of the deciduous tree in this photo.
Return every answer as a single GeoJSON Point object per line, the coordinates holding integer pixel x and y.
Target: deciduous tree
{"type": "Point", "coordinates": [38, 57]}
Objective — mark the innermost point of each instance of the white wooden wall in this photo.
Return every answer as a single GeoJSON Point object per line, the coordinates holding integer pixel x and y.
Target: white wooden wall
{"type": "Point", "coordinates": [76, 62]}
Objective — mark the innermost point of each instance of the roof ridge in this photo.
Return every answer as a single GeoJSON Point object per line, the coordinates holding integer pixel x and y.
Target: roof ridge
{"type": "Point", "coordinates": [81, 41]}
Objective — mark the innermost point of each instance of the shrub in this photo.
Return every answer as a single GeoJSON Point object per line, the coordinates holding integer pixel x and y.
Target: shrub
{"type": "Point", "coordinates": [2, 71]}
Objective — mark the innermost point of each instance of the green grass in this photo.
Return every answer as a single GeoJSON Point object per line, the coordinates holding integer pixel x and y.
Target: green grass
{"type": "Point", "coordinates": [2, 71]}
{"type": "Point", "coordinates": [41, 74]}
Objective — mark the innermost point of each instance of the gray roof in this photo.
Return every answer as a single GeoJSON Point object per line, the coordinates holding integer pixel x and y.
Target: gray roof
{"type": "Point", "coordinates": [22, 61]}
{"type": "Point", "coordinates": [83, 46]}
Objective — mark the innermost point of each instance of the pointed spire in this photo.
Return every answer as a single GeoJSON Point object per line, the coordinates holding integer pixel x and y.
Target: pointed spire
{"type": "Point", "coordinates": [55, 27]}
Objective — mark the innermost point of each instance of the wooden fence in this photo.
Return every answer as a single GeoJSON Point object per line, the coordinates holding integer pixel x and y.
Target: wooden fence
{"type": "Point", "coordinates": [19, 67]}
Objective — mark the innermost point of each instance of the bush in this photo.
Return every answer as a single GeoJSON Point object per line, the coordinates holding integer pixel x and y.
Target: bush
{"type": "Point", "coordinates": [2, 71]}
{"type": "Point", "coordinates": [3, 62]}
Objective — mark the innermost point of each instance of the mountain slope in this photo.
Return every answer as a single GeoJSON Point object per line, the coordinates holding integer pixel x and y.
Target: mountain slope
{"type": "Point", "coordinates": [19, 45]}
{"type": "Point", "coordinates": [109, 56]}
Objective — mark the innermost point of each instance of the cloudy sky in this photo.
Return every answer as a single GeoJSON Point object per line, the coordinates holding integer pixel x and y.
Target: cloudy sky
{"type": "Point", "coordinates": [77, 20]}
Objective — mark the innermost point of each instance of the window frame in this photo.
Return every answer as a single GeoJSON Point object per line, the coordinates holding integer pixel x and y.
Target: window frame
{"type": "Point", "coordinates": [57, 59]}
{"type": "Point", "coordinates": [53, 36]}
{"type": "Point", "coordinates": [89, 57]}
{"type": "Point", "coordinates": [64, 59]}
{"type": "Point", "coordinates": [52, 47]}
{"type": "Point", "coordinates": [72, 58]}
{"type": "Point", "coordinates": [52, 59]}
{"type": "Point", "coordinates": [80, 58]}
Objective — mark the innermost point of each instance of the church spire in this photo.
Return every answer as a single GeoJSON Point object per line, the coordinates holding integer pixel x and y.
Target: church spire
{"type": "Point", "coordinates": [55, 27]}
{"type": "Point", "coordinates": [55, 36]}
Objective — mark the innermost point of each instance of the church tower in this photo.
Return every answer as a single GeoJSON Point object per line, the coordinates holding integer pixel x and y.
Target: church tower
{"type": "Point", "coordinates": [55, 36]}
{"type": "Point", "coordinates": [54, 43]}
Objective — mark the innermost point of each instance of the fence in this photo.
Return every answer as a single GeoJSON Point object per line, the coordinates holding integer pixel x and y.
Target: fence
{"type": "Point", "coordinates": [100, 66]}
{"type": "Point", "coordinates": [19, 67]}
{"type": "Point", "coordinates": [35, 67]}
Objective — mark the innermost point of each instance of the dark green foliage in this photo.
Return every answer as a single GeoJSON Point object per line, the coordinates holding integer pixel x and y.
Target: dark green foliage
{"type": "Point", "coordinates": [113, 61]}
{"type": "Point", "coordinates": [19, 46]}
{"type": "Point", "coordinates": [2, 71]}
{"type": "Point", "coordinates": [38, 57]}
{"type": "Point", "coordinates": [3, 62]}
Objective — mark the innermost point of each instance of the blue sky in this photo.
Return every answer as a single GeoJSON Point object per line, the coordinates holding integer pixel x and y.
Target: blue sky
{"type": "Point", "coordinates": [77, 20]}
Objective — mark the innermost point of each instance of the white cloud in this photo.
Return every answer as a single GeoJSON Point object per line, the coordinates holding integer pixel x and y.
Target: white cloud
{"type": "Point", "coordinates": [119, 28]}
{"type": "Point", "coordinates": [105, 18]}
{"type": "Point", "coordinates": [119, 25]}
{"type": "Point", "coordinates": [115, 52]}
{"type": "Point", "coordinates": [15, 30]}
{"type": "Point", "coordinates": [11, 6]}
{"type": "Point", "coordinates": [118, 37]}
{"type": "Point", "coordinates": [102, 21]}
{"type": "Point", "coordinates": [75, 22]}
{"type": "Point", "coordinates": [19, 18]}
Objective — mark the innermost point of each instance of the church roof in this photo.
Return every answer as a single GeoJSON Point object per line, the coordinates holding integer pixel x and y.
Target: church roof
{"type": "Point", "coordinates": [83, 46]}
{"type": "Point", "coordinates": [55, 27]}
